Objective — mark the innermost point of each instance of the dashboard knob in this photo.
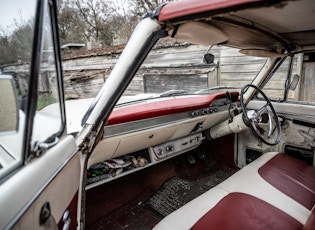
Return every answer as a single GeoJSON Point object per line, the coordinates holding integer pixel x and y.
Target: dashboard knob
{"type": "Point", "coordinates": [169, 148]}
{"type": "Point", "coordinates": [159, 152]}
{"type": "Point", "coordinates": [204, 112]}
{"type": "Point", "coordinates": [195, 113]}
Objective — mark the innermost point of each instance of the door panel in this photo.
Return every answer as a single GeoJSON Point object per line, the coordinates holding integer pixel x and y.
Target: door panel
{"type": "Point", "coordinates": [53, 178]}
{"type": "Point", "coordinates": [44, 170]}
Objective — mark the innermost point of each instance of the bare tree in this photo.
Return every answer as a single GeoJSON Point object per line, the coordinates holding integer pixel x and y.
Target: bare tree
{"type": "Point", "coordinates": [96, 15]}
{"type": "Point", "coordinates": [141, 7]}
{"type": "Point", "coordinates": [101, 21]}
{"type": "Point", "coordinates": [121, 27]}
{"type": "Point", "coordinates": [16, 44]}
{"type": "Point", "coordinates": [71, 26]}
{"type": "Point", "coordinates": [126, 14]}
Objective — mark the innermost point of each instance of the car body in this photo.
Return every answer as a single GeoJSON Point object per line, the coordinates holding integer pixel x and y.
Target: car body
{"type": "Point", "coordinates": [73, 163]}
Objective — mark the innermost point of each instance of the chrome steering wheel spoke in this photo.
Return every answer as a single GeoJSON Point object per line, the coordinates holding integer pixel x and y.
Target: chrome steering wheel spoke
{"type": "Point", "coordinates": [255, 118]}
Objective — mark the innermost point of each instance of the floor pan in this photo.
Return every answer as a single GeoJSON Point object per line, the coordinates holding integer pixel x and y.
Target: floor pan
{"type": "Point", "coordinates": [173, 194]}
{"type": "Point", "coordinates": [135, 215]}
{"type": "Point", "coordinates": [150, 207]}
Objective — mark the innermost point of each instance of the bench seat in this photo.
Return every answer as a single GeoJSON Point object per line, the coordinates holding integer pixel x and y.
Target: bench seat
{"type": "Point", "coordinates": [275, 191]}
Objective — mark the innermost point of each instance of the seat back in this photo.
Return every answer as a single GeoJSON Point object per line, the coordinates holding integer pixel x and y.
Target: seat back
{"type": "Point", "coordinates": [310, 223]}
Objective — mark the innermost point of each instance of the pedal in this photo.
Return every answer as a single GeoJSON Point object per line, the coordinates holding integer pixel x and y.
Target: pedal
{"type": "Point", "coordinates": [202, 156]}
{"type": "Point", "coordinates": [191, 160]}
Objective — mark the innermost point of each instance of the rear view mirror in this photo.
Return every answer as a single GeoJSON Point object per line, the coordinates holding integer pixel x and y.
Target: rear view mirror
{"type": "Point", "coordinates": [294, 82]}
{"type": "Point", "coordinates": [208, 58]}
{"type": "Point", "coordinates": [9, 109]}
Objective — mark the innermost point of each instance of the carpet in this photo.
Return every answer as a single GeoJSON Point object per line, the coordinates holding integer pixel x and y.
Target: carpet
{"type": "Point", "coordinates": [176, 192]}
{"type": "Point", "coordinates": [217, 176]}
{"type": "Point", "coordinates": [146, 210]}
{"type": "Point", "coordinates": [173, 194]}
{"type": "Point", "coordinates": [133, 216]}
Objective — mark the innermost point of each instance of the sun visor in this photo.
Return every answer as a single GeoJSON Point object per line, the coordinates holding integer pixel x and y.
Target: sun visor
{"type": "Point", "coordinates": [200, 33]}
{"type": "Point", "coordinates": [260, 53]}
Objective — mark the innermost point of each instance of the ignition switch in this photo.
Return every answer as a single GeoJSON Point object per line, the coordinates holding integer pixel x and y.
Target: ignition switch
{"type": "Point", "coordinates": [197, 127]}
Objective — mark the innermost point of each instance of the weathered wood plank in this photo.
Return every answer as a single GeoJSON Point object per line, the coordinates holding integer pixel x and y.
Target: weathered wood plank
{"type": "Point", "coordinates": [162, 83]}
{"type": "Point", "coordinates": [85, 74]}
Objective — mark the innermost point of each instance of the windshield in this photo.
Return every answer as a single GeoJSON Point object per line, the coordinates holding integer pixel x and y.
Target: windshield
{"type": "Point", "coordinates": [173, 69]}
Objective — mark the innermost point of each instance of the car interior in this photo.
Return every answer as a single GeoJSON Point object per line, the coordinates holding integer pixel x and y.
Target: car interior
{"type": "Point", "coordinates": [235, 159]}
{"type": "Point", "coordinates": [205, 120]}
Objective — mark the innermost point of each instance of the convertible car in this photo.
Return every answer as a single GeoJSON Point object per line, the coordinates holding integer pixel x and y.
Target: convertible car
{"type": "Point", "coordinates": [221, 139]}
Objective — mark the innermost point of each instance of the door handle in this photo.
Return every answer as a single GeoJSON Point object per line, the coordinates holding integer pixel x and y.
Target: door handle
{"type": "Point", "coordinates": [66, 220]}
{"type": "Point", "coordinates": [46, 219]}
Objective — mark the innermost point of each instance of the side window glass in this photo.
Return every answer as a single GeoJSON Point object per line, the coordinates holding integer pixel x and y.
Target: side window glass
{"type": "Point", "coordinates": [305, 91]}
{"type": "Point", "coordinates": [16, 41]}
{"type": "Point", "coordinates": [16, 45]}
{"type": "Point", "coordinates": [276, 86]}
{"type": "Point", "coordinates": [48, 118]}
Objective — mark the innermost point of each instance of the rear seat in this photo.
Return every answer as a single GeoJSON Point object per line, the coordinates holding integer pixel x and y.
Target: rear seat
{"type": "Point", "coordinates": [273, 192]}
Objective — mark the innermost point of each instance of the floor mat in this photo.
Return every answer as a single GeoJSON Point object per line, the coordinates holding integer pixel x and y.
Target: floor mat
{"type": "Point", "coordinates": [217, 176]}
{"type": "Point", "coordinates": [149, 208]}
{"type": "Point", "coordinates": [173, 194]}
{"type": "Point", "coordinates": [135, 215]}
{"type": "Point", "coordinates": [176, 192]}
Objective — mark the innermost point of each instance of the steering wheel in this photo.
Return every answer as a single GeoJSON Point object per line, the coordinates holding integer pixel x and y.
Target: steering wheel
{"type": "Point", "coordinates": [263, 122]}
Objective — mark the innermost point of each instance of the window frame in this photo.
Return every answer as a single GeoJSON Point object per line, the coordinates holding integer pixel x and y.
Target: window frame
{"type": "Point", "coordinates": [287, 79]}
{"type": "Point", "coordinates": [31, 105]}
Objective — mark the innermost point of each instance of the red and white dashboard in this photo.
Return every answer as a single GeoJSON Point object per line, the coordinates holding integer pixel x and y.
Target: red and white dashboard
{"type": "Point", "coordinates": [166, 127]}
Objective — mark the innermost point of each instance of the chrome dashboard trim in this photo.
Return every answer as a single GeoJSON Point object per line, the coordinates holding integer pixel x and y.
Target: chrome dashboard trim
{"type": "Point", "coordinates": [133, 126]}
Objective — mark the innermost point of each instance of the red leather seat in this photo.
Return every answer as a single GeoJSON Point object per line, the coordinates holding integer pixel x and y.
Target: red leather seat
{"type": "Point", "coordinates": [292, 177]}
{"type": "Point", "coordinates": [275, 191]}
{"type": "Point", "coordinates": [246, 212]}
{"type": "Point", "coordinates": [310, 223]}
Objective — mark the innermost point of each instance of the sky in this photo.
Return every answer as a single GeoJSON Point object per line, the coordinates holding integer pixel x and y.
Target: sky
{"type": "Point", "coordinates": [15, 9]}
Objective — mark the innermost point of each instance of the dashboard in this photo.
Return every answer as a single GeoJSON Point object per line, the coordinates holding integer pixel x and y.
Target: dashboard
{"type": "Point", "coordinates": [163, 128]}
{"type": "Point", "coordinates": [153, 122]}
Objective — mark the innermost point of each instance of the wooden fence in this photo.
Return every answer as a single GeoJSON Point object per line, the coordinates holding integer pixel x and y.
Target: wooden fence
{"type": "Point", "coordinates": [84, 76]}
{"type": "Point", "coordinates": [86, 71]}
